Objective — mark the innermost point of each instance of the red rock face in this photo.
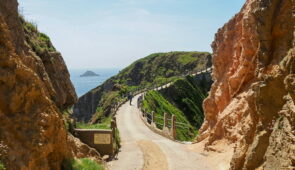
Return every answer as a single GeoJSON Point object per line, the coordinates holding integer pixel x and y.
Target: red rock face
{"type": "Point", "coordinates": [33, 91]}
{"type": "Point", "coordinates": [251, 102]}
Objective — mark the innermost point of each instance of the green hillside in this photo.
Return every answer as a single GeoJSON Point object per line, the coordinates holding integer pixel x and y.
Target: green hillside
{"type": "Point", "coordinates": [153, 70]}
{"type": "Point", "coordinates": [184, 99]}
{"type": "Point", "coordinates": [158, 68]}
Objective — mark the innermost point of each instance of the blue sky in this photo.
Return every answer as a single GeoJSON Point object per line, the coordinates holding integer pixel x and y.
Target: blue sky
{"type": "Point", "coordinates": [114, 33]}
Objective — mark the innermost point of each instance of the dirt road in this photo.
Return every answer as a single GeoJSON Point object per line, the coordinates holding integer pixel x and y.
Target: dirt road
{"type": "Point", "coordinates": [143, 149]}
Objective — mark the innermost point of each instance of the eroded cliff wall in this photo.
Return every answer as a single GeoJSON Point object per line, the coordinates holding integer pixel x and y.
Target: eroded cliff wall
{"type": "Point", "coordinates": [251, 102]}
{"type": "Point", "coordinates": [35, 87]}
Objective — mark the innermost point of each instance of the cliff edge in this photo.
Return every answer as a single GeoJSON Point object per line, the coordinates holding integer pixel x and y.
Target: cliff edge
{"type": "Point", "coordinates": [251, 103]}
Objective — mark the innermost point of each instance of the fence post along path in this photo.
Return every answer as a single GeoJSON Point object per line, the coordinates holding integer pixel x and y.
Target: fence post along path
{"type": "Point", "coordinates": [102, 140]}
{"type": "Point", "coordinates": [150, 119]}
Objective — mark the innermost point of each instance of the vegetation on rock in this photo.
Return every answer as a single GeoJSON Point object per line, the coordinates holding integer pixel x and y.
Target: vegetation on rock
{"type": "Point", "coordinates": [39, 42]}
{"type": "Point", "coordinates": [82, 164]}
{"type": "Point", "coordinates": [184, 100]}
{"type": "Point", "coordinates": [153, 70]}
{"type": "Point", "coordinates": [159, 68]}
{"type": "Point", "coordinates": [36, 89]}
{"type": "Point", "coordinates": [117, 140]}
{"type": "Point", "coordinates": [86, 164]}
{"type": "Point", "coordinates": [155, 102]}
{"type": "Point", "coordinates": [104, 124]}
{"type": "Point", "coordinates": [188, 95]}
{"type": "Point", "coordinates": [2, 167]}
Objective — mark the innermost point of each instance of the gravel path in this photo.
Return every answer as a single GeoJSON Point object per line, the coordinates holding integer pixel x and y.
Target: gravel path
{"type": "Point", "coordinates": [143, 149]}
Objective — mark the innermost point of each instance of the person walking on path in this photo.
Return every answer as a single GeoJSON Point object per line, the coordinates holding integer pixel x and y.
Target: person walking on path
{"type": "Point", "coordinates": [130, 98]}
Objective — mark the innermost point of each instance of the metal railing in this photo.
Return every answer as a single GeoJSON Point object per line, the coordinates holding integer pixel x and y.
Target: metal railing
{"type": "Point", "coordinates": [151, 118]}
{"type": "Point", "coordinates": [167, 84]}
{"type": "Point", "coordinates": [169, 122]}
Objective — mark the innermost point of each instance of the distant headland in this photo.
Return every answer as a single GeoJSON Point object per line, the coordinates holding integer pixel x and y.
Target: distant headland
{"type": "Point", "coordinates": [89, 74]}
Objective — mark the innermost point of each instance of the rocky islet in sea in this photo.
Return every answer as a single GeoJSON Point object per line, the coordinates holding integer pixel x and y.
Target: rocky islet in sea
{"type": "Point", "coordinates": [89, 74]}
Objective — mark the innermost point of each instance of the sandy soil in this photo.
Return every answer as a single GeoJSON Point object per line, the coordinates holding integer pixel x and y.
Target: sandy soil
{"type": "Point", "coordinates": [154, 158]}
{"type": "Point", "coordinates": [218, 155]}
{"type": "Point", "coordinates": [143, 149]}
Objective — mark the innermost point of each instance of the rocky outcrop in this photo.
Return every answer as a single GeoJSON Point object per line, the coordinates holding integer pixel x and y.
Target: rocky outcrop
{"type": "Point", "coordinates": [89, 74]}
{"type": "Point", "coordinates": [251, 102]}
{"type": "Point", "coordinates": [81, 150]}
{"type": "Point", "coordinates": [35, 87]}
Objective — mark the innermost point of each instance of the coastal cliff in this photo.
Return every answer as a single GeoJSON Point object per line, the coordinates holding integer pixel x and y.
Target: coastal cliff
{"type": "Point", "coordinates": [251, 103]}
{"type": "Point", "coordinates": [35, 88]}
{"type": "Point", "coordinates": [153, 70]}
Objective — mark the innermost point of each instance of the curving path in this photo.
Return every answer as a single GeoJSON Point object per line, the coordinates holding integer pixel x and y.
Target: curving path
{"type": "Point", "coordinates": [143, 149]}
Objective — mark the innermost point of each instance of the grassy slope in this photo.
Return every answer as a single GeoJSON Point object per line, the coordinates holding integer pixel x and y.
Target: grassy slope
{"type": "Point", "coordinates": [158, 67]}
{"type": "Point", "coordinates": [39, 42]}
{"type": "Point", "coordinates": [188, 96]}
{"type": "Point", "coordinates": [154, 101]}
{"type": "Point", "coordinates": [184, 98]}
{"type": "Point", "coordinates": [153, 70]}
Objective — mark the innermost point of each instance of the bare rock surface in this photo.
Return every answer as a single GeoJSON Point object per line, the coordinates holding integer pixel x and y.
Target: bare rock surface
{"type": "Point", "coordinates": [251, 103]}
{"type": "Point", "coordinates": [81, 150]}
{"type": "Point", "coordinates": [35, 88]}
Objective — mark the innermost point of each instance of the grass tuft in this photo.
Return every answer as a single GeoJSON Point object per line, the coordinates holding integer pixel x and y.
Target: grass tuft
{"type": "Point", "coordinates": [86, 164]}
{"type": "Point", "coordinates": [39, 42]}
{"type": "Point", "coordinates": [83, 164]}
{"type": "Point", "coordinates": [117, 140]}
{"type": "Point", "coordinates": [2, 167]}
{"type": "Point", "coordinates": [104, 124]}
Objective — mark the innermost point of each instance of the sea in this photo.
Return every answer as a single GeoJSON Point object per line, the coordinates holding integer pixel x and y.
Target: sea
{"type": "Point", "coordinates": [85, 84]}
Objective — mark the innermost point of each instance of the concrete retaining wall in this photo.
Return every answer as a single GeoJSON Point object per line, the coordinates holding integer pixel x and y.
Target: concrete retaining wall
{"type": "Point", "coordinates": [101, 140]}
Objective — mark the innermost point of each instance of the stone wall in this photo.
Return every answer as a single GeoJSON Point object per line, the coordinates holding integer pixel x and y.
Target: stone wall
{"type": "Point", "coordinates": [101, 140]}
